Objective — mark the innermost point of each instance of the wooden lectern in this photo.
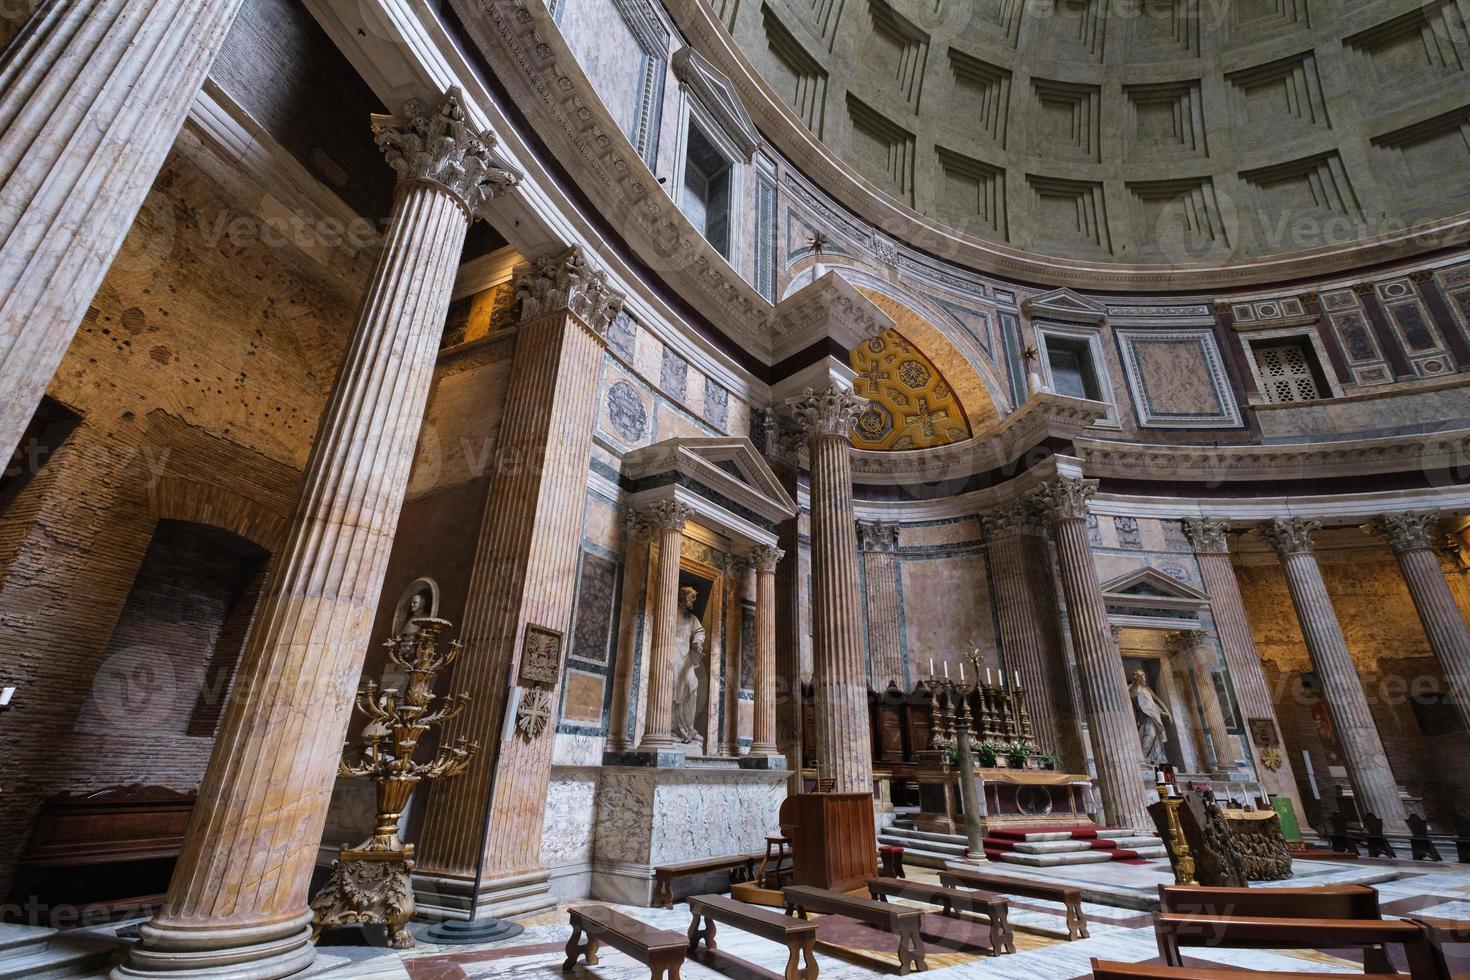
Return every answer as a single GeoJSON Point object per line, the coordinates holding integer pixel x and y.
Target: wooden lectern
{"type": "Point", "coordinates": [833, 841]}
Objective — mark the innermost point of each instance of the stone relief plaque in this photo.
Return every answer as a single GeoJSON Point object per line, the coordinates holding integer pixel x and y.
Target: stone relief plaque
{"type": "Point", "coordinates": [1263, 732]}
{"type": "Point", "coordinates": [540, 655]}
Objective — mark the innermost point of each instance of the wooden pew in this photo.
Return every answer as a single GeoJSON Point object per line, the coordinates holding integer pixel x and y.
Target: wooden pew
{"type": "Point", "coordinates": [905, 923]}
{"type": "Point", "coordinates": [1070, 897]}
{"type": "Point", "coordinates": [1441, 933]}
{"type": "Point", "coordinates": [658, 949]}
{"type": "Point", "coordinates": [1320, 902]}
{"type": "Point", "coordinates": [1103, 970]}
{"type": "Point", "coordinates": [665, 874]}
{"type": "Point", "coordinates": [995, 908]}
{"type": "Point", "coordinates": [799, 937]}
{"type": "Point", "coordinates": [1247, 932]}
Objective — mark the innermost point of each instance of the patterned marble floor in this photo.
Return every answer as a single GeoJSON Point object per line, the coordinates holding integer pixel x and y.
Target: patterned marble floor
{"type": "Point", "coordinates": [848, 951]}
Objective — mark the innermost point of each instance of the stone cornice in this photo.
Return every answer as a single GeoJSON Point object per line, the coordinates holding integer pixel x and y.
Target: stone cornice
{"type": "Point", "coordinates": [830, 308]}
{"type": "Point", "coordinates": [780, 125]}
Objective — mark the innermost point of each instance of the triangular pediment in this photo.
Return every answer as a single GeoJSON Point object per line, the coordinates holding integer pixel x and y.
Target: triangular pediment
{"type": "Point", "coordinates": [1064, 304]}
{"type": "Point", "coordinates": [1150, 583]}
{"type": "Point", "coordinates": [727, 470]}
{"type": "Point", "coordinates": [718, 96]}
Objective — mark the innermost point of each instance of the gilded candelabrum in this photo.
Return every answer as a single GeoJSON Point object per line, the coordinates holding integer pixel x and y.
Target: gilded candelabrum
{"type": "Point", "coordinates": [370, 883]}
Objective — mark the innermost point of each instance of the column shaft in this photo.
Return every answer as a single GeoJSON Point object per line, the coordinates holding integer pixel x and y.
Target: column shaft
{"type": "Point", "coordinates": [658, 721]}
{"type": "Point", "coordinates": [92, 96]}
{"type": "Point", "coordinates": [763, 742]}
{"type": "Point", "coordinates": [239, 890]}
{"type": "Point", "coordinates": [1373, 781]}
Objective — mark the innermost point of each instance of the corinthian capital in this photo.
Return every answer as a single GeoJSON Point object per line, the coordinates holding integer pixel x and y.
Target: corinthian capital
{"type": "Point", "coordinates": [1290, 535]}
{"type": "Point", "coordinates": [569, 281]}
{"type": "Point", "coordinates": [1065, 498]}
{"type": "Point", "coordinates": [1409, 531]}
{"type": "Point", "coordinates": [828, 412]}
{"type": "Point", "coordinates": [1209, 535]}
{"type": "Point", "coordinates": [645, 523]}
{"type": "Point", "coordinates": [877, 536]}
{"type": "Point", "coordinates": [1017, 519]}
{"type": "Point", "coordinates": [765, 557]}
{"type": "Point", "coordinates": [434, 144]}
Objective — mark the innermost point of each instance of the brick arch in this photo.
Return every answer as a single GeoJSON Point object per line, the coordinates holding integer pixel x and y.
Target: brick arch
{"type": "Point", "coordinates": [182, 499]}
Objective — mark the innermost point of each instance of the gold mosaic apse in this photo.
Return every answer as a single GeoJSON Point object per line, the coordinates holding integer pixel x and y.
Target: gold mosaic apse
{"type": "Point", "coordinates": [912, 405]}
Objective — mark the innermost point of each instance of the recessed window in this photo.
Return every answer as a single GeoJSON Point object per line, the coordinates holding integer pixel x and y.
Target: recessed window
{"type": "Point", "coordinates": [705, 197]}
{"type": "Point", "coordinates": [1072, 371]}
{"type": "Point", "coordinates": [1289, 371]}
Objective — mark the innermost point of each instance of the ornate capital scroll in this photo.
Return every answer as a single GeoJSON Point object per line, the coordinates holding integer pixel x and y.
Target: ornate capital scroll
{"type": "Point", "coordinates": [1019, 518]}
{"type": "Point", "coordinates": [569, 281]}
{"type": "Point", "coordinates": [1065, 498]}
{"type": "Point", "coordinates": [765, 557]}
{"type": "Point", "coordinates": [1209, 535]}
{"type": "Point", "coordinates": [826, 413]}
{"type": "Point", "coordinates": [645, 523]}
{"type": "Point", "coordinates": [877, 536]}
{"type": "Point", "coordinates": [1290, 535]}
{"type": "Point", "coordinates": [434, 144]}
{"type": "Point", "coordinates": [1408, 531]}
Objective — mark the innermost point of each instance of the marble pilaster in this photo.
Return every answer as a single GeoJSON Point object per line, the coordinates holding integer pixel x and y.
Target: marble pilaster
{"type": "Point", "coordinates": [1412, 537]}
{"type": "Point", "coordinates": [1373, 781]}
{"type": "Point", "coordinates": [92, 97]}
{"type": "Point", "coordinates": [878, 542]}
{"type": "Point", "coordinates": [522, 587]}
{"type": "Point", "coordinates": [1115, 746]}
{"type": "Point", "coordinates": [236, 905]}
{"type": "Point", "coordinates": [839, 670]}
{"type": "Point", "coordinates": [763, 743]}
{"type": "Point", "coordinates": [1211, 540]}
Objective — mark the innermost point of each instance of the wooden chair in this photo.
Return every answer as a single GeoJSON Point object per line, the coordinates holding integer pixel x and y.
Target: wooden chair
{"type": "Point", "coordinates": [1462, 839]}
{"type": "Point", "coordinates": [658, 949]}
{"type": "Point", "coordinates": [1342, 839]}
{"type": "Point", "coordinates": [1378, 845]}
{"type": "Point", "coordinates": [1419, 842]}
{"type": "Point", "coordinates": [1247, 932]}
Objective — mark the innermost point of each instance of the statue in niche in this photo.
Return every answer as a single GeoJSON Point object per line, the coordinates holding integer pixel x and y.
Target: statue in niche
{"type": "Point", "coordinates": [1150, 715]}
{"type": "Point", "coordinates": [689, 643]}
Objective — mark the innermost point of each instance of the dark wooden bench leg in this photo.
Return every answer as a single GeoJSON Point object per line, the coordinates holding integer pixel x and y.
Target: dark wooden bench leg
{"type": "Point", "coordinates": [663, 894]}
{"type": "Point", "coordinates": [910, 950]}
{"type": "Point", "coordinates": [809, 958]}
{"type": "Point", "coordinates": [696, 933]}
{"type": "Point", "coordinates": [1168, 948]}
{"type": "Point", "coordinates": [1375, 960]}
{"type": "Point", "coordinates": [1076, 921]}
{"type": "Point", "coordinates": [576, 948]}
{"type": "Point", "coordinates": [1007, 934]}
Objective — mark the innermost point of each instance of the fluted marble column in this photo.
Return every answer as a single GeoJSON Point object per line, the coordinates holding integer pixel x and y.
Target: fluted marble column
{"type": "Point", "coordinates": [236, 906]}
{"type": "Point", "coordinates": [1373, 782]}
{"type": "Point", "coordinates": [1195, 657]}
{"type": "Point", "coordinates": [878, 542]}
{"type": "Point", "coordinates": [668, 517]}
{"type": "Point", "coordinates": [839, 673]}
{"type": "Point", "coordinates": [763, 741]}
{"type": "Point", "coordinates": [92, 96]}
{"type": "Point", "coordinates": [1116, 749]}
{"type": "Point", "coordinates": [1211, 540]}
{"type": "Point", "coordinates": [1412, 536]}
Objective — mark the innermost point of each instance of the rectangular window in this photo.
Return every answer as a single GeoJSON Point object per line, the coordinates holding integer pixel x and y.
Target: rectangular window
{"type": "Point", "coordinates": [1289, 371]}
{"type": "Point", "coordinates": [705, 197]}
{"type": "Point", "coordinates": [1072, 372]}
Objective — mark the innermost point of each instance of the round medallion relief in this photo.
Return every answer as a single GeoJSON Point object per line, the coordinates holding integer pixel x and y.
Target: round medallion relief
{"type": "Point", "coordinates": [626, 412]}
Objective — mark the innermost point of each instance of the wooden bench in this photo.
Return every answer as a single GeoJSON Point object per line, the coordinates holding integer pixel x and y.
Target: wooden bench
{"type": "Point", "coordinates": [1320, 902]}
{"type": "Point", "coordinates": [1250, 932]}
{"type": "Point", "coordinates": [995, 908]}
{"type": "Point", "coordinates": [1070, 897]}
{"type": "Point", "coordinates": [902, 922]}
{"type": "Point", "coordinates": [665, 874]}
{"type": "Point", "coordinates": [1103, 970]}
{"type": "Point", "coordinates": [1441, 933]}
{"type": "Point", "coordinates": [800, 938]}
{"type": "Point", "coordinates": [658, 949]}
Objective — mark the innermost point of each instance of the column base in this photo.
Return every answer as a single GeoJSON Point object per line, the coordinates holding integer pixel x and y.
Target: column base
{"type": "Point", "coordinates": [646, 758]}
{"type": "Point", "coordinates": [441, 897]}
{"type": "Point", "coordinates": [220, 953]}
{"type": "Point", "coordinates": [763, 761]}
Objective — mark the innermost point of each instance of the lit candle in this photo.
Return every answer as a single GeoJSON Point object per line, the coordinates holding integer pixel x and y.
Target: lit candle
{"type": "Point", "coordinates": [946, 670]}
{"type": "Point", "coordinates": [931, 668]}
{"type": "Point", "coordinates": [962, 673]}
{"type": "Point", "coordinates": [987, 676]}
{"type": "Point", "coordinates": [1018, 680]}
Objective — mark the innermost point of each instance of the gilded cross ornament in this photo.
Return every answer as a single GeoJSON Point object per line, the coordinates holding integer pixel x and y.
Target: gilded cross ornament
{"type": "Point", "coordinates": [1408, 531]}
{"type": "Point", "coordinates": [826, 413]}
{"type": "Point", "coordinates": [1209, 535]}
{"type": "Point", "coordinates": [925, 418]}
{"type": "Point", "coordinates": [1290, 535]}
{"type": "Point", "coordinates": [436, 145]}
{"type": "Point", "coordinates": [569, 281]}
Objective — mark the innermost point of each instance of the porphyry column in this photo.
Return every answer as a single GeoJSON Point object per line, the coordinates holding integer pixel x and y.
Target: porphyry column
{"type": "Point", "coordinates": [1374, 786]}
{"type": "Point", "coordinates": [667, 518]}
{"type": "Point", "coordinates": [839, 674]}
{"type": "Point", "coordinates": [878, 541]}
{"type": "Point", "coordinates": [1115, 745]}
{"type": "Point", "coordinates": [1412, 537]}
{"type": "Point", "coordinates": [236, 905]}
{"type": "Point", "coordinates": [521, 591]}
{"type": "Point", "coordinates": [1211, 540]}
{"type": "Point", "coordinates": [763, 732]}
{"type": "Point", "coordinates": [92, 97]}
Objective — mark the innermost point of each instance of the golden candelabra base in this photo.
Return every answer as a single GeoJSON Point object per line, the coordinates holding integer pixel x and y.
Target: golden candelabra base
{"type": "Point", "coordinates": [368, 887]}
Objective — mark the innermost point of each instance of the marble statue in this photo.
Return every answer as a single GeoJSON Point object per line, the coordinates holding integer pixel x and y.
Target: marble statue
{"type": "Point", "coordinates": [689, 644]}
{"type": "Point", "coordinates": [1150, 715]}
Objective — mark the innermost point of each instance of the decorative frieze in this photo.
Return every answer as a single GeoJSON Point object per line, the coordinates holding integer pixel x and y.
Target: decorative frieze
{"type": "Point", "coordinates": [569, 281]}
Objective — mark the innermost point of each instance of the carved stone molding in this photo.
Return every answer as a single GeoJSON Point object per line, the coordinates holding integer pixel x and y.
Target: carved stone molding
{"type": "Point", "coordinates": [569, 281]}
{"type": "Point", "coordinates": [1407, 531]}
{"type": "Point", "coordinates": [826, 413]}
{"type": "Point", "coordinates": [765, 557]}
{"type": "Point", "coordinates": [1290, 535]}
{"type": "Point", "coordinates": [434, 144]}
{"type": "Point", "coordinates": [1065, 498]}
{"type": "Point", "coordinates": [1209, 535]}
{"type": "Point", "coordinates": [877, 536]}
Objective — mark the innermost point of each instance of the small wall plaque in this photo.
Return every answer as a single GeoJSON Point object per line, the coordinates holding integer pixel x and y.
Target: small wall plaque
{"type": "Point", "coordinates": [1263, 732]}
{"type": "Point", "coordinates": [540, 655]}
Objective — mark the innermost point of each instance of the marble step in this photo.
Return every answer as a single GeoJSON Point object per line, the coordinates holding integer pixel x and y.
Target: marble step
{"type": "Point", "coordinates": [70, 954]}
{"type": "Point", "coordinates": [1051, 847]}
{"type": "Point", "coordinates": [952, 847]}
{"type": "Point", "coordinates": [19, 940]}
{"type": "Point", "coordinates": [1133, 843]}
{"type": "Point", "coordinates": [1057, 860]}
{"type": "Point", "coordinates": [1042, 838]}
{"type": "Point", "coordinates": [922, 835]}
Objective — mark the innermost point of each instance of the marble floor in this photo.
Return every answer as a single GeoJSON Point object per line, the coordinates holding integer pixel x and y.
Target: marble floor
{"type": "Point", "coordinates": [847, 950]}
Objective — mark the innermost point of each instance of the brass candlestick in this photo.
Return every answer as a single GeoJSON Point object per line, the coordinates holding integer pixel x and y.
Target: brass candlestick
{"type": "Point", "coordinates": [370, 882]}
